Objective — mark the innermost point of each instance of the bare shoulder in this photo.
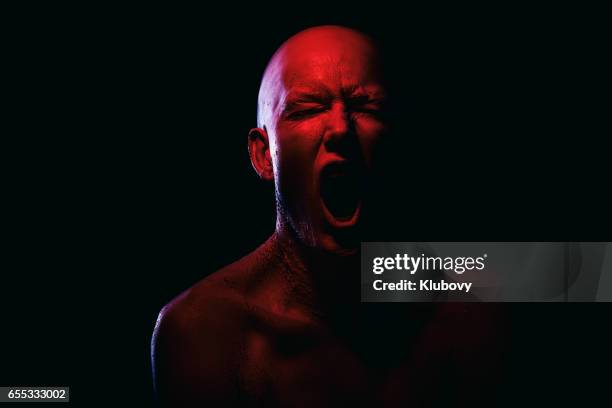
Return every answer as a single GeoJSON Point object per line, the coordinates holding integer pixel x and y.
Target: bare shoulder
{"type": "Point", "coordinates": [198, 341]}
{"type": "Point", "coordinates": [195, 306]}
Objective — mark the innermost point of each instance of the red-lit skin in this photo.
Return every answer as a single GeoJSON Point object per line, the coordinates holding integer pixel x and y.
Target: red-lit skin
{"type": "Point", "coordinates": [317, 105]}
{"type": "Point", "coordinates": [281, 326]}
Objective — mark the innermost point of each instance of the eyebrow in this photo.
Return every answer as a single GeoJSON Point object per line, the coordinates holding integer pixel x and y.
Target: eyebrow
{"type": "Point", "coordinates": [374, 92]}
{"type": "Point", "coordinates": [319, 94]}
{"type": "Point", "coordinates": [308, 94]}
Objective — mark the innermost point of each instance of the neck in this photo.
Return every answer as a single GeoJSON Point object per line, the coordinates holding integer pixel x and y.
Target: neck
{"type": "Point", "coordinates": [319, 282]}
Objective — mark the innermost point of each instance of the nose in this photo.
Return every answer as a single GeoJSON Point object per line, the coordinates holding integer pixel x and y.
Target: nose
{"type": "Point", "coordinates": [339, 128]}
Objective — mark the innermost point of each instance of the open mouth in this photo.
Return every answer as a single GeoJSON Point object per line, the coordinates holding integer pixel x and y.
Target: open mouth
{"type": "Point", "coordinates": [341, 191]}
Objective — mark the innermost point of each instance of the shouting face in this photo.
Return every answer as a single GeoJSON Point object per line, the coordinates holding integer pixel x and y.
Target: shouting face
{"type": "Point", "coordinates": [320, 117]}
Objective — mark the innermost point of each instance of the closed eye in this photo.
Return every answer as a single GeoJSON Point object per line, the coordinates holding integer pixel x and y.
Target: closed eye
{"type": "Point", "coordinates": [303, 111]}
{"type": "Point", "coordinates": [365, 104]}
{"type": "Point", "coordinates": [367, 108]}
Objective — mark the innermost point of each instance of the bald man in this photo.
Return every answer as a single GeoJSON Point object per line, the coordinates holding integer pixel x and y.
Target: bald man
{"type": "Point", "coordinates": [284, 326]}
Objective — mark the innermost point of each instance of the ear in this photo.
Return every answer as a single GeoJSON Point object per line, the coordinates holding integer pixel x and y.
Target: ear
{"type": "Point", "coordinates": [259, 151]}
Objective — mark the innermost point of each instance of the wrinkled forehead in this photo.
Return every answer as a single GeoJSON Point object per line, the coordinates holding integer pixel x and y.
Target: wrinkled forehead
{"type": "Point", "coordinates": [328, 60]}
{"type": "Point", "coordinates": [332, 61]}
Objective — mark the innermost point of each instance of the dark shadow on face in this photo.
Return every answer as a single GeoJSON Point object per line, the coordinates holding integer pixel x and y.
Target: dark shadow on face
{"type": "Point", "coordinates": [323, 102]}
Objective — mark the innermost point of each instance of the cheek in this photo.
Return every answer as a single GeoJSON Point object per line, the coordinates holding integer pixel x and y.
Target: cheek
{"type": "Point", "coordinates": [370, 134]}
{"type": "Point", "coordinates": [296, 149]}
{"type": "Point", "coordinates": [298, 143]}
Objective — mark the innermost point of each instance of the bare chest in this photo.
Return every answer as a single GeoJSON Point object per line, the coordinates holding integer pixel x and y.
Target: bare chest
{"type": "Point", "coordinates": [322, 370]}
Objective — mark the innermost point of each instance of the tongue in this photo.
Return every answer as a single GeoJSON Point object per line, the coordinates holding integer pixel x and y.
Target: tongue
{"type": "Point", "coordinates": [341, 195]}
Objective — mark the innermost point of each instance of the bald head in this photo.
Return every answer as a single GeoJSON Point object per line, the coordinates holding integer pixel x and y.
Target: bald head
{"type": "Point", "coordinates": [309, 56]}
{"type": "Point", "coordinates": [320, 118]}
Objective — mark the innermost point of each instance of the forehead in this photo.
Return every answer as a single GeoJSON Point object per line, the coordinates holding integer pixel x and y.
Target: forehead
{"type": "Point", "coordinates": [329, 60]}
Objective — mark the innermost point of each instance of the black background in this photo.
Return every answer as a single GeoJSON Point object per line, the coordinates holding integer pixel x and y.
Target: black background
{"type": "Point", "coordinates": [127, 177]}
